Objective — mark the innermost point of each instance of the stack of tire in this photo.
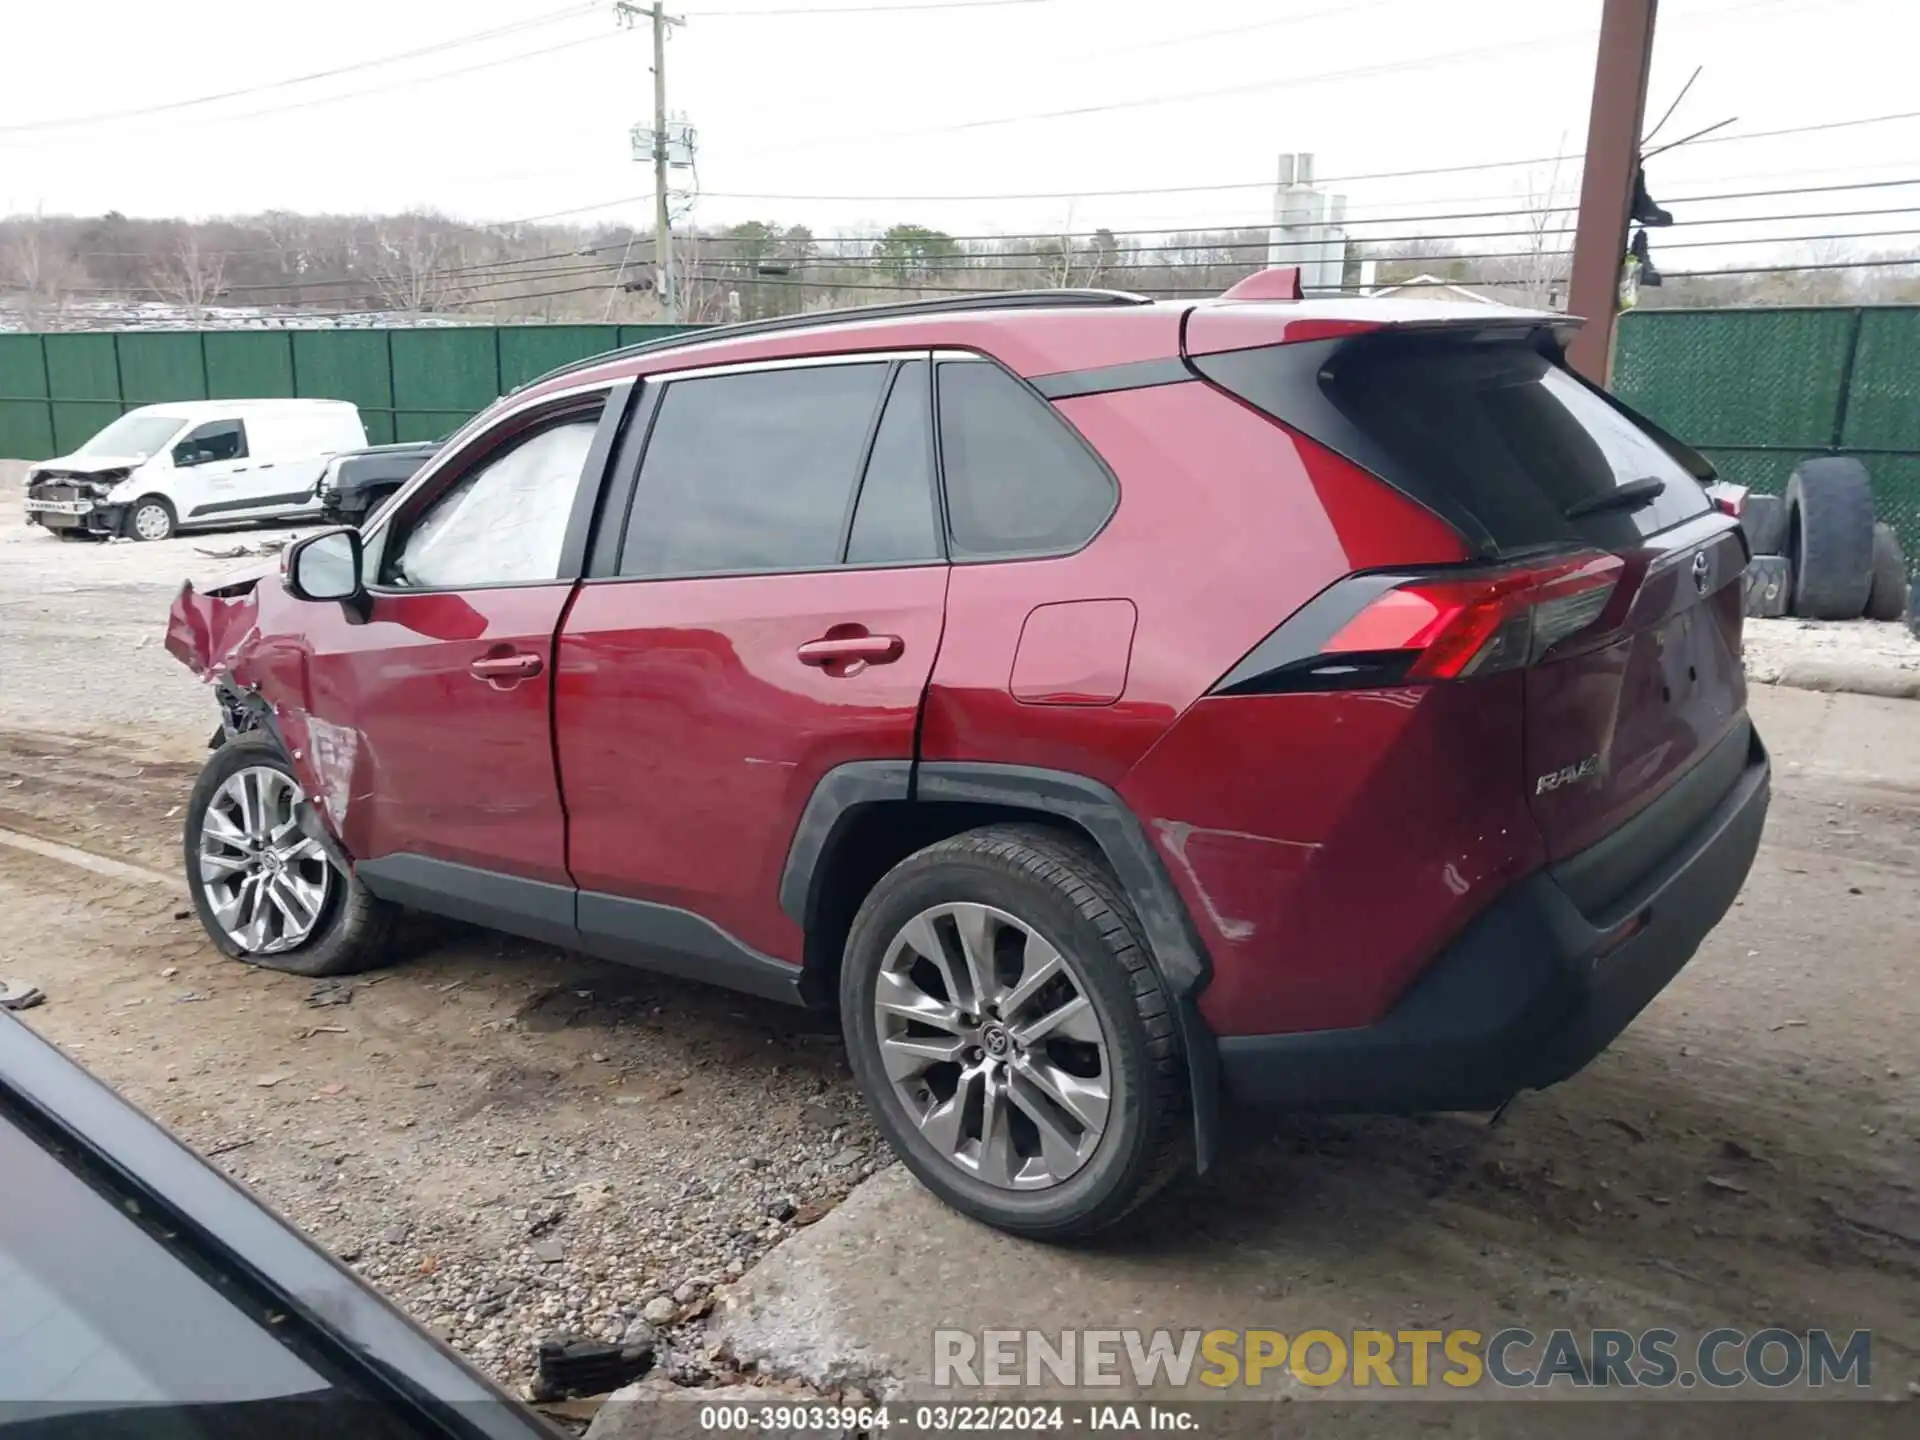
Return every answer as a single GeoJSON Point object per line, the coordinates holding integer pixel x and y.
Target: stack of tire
{"type": "Point", "coordinates": [1818, 552]}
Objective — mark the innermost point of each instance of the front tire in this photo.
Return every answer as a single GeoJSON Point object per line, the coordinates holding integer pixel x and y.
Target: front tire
{"type": "Point", "coordinates": [152, 518]}
{"type": "Point", "coordinates": [1011, 1035]}
{"type": "Point", "coordinates": [266, 892]}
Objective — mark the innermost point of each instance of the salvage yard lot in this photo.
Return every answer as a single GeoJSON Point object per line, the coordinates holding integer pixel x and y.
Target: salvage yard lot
{"type": "Point", "coordinates": [514, 1142]}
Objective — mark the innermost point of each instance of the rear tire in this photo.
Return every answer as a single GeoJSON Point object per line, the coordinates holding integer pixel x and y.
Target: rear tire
{"type": "Point", "coordinates": [1039, 894]}
{"type": "Point", "coordinates": [1767, 586]}
{"type": "Point", "coordinates": [151, 517]}
{"type": "Point", "coordinates": [352, 930]}
{"type": "Point", "coordinates": [1887, 600]}
{"type": "Point", "coordinates": [1830, 538]}
{"type": "Point", "coordinates": [1765, 521]}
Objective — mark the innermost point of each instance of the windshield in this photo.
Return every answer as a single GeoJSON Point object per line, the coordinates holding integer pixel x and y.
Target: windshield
{"type": "Point", "coordinates": [137, 437]}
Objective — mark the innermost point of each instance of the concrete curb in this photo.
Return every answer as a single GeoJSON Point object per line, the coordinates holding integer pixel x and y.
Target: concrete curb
{"type": "Point", "coordinates": [1840, 678]}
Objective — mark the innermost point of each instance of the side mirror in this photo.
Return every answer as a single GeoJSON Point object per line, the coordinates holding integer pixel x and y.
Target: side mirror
{"type": "Point", "coordinates": [326, 567]}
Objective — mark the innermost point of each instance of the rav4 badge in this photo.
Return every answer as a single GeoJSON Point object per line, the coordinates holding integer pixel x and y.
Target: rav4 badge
{"type": "Point", "coordinates": [1568, 775]}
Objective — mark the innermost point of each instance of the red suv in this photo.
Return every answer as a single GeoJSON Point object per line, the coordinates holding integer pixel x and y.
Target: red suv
{"type": "Point", "coordinates": [1109, 706]}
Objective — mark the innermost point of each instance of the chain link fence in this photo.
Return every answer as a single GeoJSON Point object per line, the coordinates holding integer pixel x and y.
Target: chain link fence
{"type": "Point", "coordinates": [1758, 391]}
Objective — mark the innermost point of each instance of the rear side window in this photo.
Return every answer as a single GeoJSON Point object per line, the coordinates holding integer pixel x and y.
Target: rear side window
{"type": "Point", "coordinates": [1019, 482]}
{"type": "Point", "coordinates": [1490, 433]}
{"type": "Point", "coordinates": [895, 520]}
{"type": "Point", "coordinates": [751, 472]}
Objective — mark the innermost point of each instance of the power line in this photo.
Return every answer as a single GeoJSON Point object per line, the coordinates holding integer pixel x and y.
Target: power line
{"type": "Point", "coordinates": [827, 256]}
{"type": "Point", "coordinates": [453, 42]}
{"type": "Point", "coordinates": [697, 14]}
{"type": "Point", "coordinates": [374, 288]}
{"type": "Point", "coordinates": [1234, 185]}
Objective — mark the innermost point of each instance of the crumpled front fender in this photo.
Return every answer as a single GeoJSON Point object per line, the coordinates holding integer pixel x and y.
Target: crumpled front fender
{"type": "Point", "coordinates": [234, 635]}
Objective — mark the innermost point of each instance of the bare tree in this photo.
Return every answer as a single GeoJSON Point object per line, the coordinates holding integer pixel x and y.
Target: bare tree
{"type": "Point", "coordinates": [192, 276]}
{"type": "Point", "coordinates": [413, 264]}
{"type": "Point", "coordinates": [39, 272]}
{"type": "Point", "coordinates": [1542, 271]}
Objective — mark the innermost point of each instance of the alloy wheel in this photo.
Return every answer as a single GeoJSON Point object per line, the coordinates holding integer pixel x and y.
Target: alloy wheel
{"type": "Point", "coordinates": [266, 881]}
{"type": "Point", "coordinates": [992, 1045]}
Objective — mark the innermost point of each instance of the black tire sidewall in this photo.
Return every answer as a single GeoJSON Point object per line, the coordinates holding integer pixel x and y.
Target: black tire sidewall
{"type": "Point", "coordinates": [332, 946]}
{"type": "Point", "coordinates": [1887, 599]}
{"type": "Point", "coordinates": [1105, 1184]}
{"type": "Point", "coordinates": [1830, 530]}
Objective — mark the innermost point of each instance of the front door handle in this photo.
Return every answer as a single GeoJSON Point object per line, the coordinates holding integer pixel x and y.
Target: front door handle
{"type": "Point", "coordinates": [834, 652]}
{"type": "Point", "coordinates": [497, 669]}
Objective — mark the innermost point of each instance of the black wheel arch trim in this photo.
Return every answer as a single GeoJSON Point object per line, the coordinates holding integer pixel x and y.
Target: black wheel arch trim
{"type": "Point", "coordinates": [1178, 956]}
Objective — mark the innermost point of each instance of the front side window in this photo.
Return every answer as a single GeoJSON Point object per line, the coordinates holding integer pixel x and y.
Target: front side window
{"type": "Point", "coordinates": [505, 521]}
{"type": "Point", "coordinates": [215, 440]}
{"type": "Point", "coordinates": [1019, 482]}
{"type": "Point", "coordinates": [751, 472]}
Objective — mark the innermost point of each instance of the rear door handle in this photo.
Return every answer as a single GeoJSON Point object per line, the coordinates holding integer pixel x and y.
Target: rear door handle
{"type": "Point", "coordinates": [520, 665]}
{"type": "Point", "coordinates": [852, 649]}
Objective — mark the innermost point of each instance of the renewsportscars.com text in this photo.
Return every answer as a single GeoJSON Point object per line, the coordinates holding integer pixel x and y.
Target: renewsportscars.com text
{"type": "Point", "coordinates": [1510, 1358]}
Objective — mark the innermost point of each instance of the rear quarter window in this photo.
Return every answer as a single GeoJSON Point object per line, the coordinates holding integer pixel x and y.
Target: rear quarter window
{"type": "Point", "coordinates": [1019, 480]}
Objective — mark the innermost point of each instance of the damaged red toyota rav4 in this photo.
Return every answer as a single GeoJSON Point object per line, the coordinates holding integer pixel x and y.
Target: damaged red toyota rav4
{"type": "Point", "coordinates": [1112, 708]}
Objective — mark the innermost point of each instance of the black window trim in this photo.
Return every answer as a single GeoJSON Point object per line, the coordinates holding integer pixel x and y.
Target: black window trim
{"type": "Point", "coordinates": [510, 428]}
{"type": "Point", "coordinates": [623, 481]}
{"type": "Point", "coordinates": [936, 498]}
{"type": "Point", "coordinates": [865, 458]}
{"type": "Point", "coordinates": [956, 356]}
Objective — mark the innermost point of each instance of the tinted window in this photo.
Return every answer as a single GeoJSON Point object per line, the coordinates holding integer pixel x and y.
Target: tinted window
{"type": "Point", "coordinates": [751, 472]}
{"type": "Point", "coordinates": [504, 521]}
{"type": "Point", "coordinates": [1018, 480]}
{"type": "Point", "coordinates": [1514, 437]}
{"type": "Point", "coordinates": [216, 440]}
{"type": "Point", "coordinates": [894, 519]}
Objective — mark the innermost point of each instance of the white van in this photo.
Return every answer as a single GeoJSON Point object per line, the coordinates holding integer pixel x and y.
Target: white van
{"type": "Point", "coordinates": [194, 463]}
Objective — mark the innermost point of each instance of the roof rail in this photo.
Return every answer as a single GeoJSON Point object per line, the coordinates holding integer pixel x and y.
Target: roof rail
{"type": "Point", "coordinates": [990, 300]}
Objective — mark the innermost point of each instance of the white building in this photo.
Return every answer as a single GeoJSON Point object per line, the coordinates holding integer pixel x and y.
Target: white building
{"type": "Point", "coordinates": [1308, 227]}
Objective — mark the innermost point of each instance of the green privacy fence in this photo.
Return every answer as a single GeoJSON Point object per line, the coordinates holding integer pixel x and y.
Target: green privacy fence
{"type": "Point", "coordinates": [57, 390]}
{"type": "Point", "coordinates": [1758, 391]}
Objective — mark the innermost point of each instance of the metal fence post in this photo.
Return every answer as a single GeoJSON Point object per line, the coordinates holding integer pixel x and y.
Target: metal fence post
{"type": "Point", "coordinates": [1844, 398]}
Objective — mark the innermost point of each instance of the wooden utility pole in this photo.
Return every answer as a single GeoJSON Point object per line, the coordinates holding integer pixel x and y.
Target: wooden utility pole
{"type": "Point", "coordinates": [662, 224]}
{"type": "Point", "coordinates": [1606, 184]}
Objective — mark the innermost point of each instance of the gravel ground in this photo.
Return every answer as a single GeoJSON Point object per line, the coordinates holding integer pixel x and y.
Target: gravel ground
{"type": "Point", "coordinates": [512, 1141]}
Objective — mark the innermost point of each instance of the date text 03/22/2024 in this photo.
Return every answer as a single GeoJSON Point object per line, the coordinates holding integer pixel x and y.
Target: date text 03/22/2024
{"type": "Point", "coordinates": [976, 1419]}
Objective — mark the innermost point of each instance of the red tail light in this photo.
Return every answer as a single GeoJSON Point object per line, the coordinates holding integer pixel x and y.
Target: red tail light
{"type": "Point", "coordinates": [1483, 624]}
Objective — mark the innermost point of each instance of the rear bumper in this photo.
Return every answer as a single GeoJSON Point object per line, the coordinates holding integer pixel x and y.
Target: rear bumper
{"type": "Point", "coordinates": [1528, 994]}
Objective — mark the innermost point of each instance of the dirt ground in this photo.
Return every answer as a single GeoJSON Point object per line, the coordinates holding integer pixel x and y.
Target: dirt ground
{"type": "Point", "coordinates": [513, 1141]}
{"type": "Point", "coordinates": [1747, 1154]}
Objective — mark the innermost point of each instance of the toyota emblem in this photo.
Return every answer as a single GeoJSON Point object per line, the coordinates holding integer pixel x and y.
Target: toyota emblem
{"type": "Point", "coordinates": [1702, 572]}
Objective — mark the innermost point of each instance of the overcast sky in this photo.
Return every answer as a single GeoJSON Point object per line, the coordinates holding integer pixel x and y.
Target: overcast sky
{"type": "Point", "coordinates": [961, 98]}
